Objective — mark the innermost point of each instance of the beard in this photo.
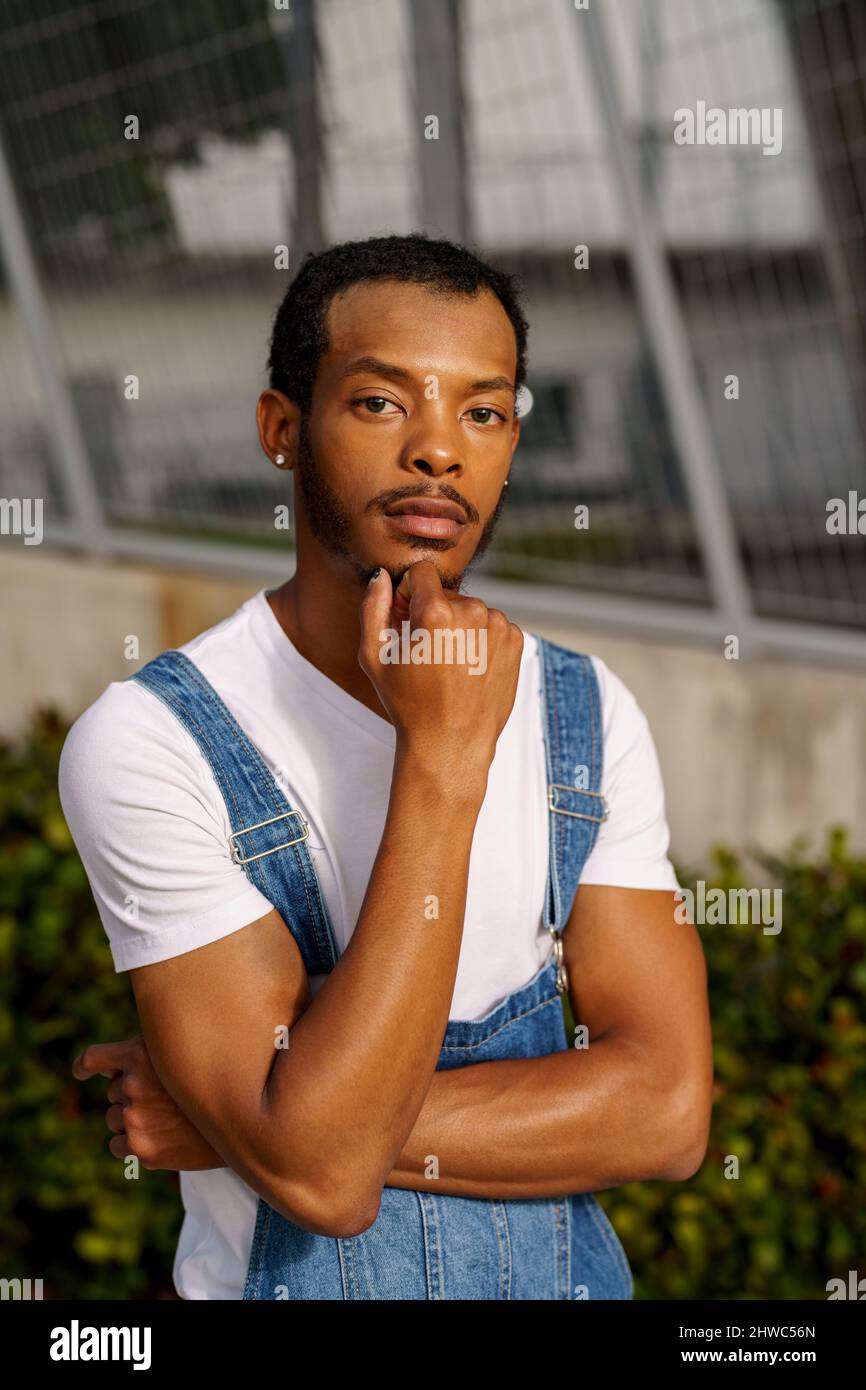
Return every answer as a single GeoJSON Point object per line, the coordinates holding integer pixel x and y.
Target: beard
{"type": "Point", "coordinates": [331, 524]}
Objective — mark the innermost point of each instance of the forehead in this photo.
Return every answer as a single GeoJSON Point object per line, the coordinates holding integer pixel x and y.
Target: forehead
{"type": "Point", "coordinates": [408, 323]}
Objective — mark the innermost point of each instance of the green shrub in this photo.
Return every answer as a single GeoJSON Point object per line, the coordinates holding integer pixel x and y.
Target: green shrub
{"type": "Point", "coordinates": [67, 1214]}
{"type": "Point", "coordinates": [789, 1058]}
{"type": "Point", "coordinates": [790, 1101]}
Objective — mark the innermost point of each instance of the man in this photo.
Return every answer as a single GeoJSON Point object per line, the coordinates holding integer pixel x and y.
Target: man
{"type": "Point", "coordinates": [329, 1144]}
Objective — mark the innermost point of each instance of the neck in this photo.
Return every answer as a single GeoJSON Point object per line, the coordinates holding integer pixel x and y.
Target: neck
{"type": "Point", "coordinates": [318, 609]}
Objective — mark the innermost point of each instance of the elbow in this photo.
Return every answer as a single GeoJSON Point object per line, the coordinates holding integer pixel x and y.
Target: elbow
{"type": "Point", "coordinates": [342, 1219]}
{"type": "Point", "coordinates": [316, 1191]}
{"type": "Point", "coordinates": [686, 1134]}
{"type": "Point", "coordinates": [338, 1212]}
{"type": "Point", "coordinates": [682, 1164]}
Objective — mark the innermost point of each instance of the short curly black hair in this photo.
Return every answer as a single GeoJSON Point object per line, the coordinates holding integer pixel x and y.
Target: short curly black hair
{"type": "Point", "coordinates": [299, 337]}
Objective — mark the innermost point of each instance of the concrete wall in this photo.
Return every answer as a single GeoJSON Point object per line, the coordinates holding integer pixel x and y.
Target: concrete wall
{"type": "Point", "coordinates": [753, 753]}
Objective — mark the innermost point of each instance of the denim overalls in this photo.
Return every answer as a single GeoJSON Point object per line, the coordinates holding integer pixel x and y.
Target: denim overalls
{"type": "Point", "coordinates": [423, 1245]}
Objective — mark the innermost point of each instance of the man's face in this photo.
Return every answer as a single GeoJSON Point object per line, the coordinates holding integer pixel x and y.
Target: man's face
{"type": "Point", "coordinates": [421, 429]}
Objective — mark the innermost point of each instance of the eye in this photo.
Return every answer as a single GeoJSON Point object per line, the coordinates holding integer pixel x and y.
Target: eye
{"type": "Point", "coordinates": [381, 400]}
{"type": "Point", "coordinates": [486, 410]}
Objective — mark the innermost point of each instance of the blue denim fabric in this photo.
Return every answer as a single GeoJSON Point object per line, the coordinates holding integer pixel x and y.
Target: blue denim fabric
{"type": "Point", "coordinates": [424, 1245]}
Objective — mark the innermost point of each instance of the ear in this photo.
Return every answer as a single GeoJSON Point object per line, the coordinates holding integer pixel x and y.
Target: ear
{"type": "Point", "coordinates": [277, 420]}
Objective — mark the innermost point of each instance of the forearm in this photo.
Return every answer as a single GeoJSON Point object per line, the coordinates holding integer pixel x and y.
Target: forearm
{"type": "Point", "coordinates": [349, 1087]}
{"type": "Point", "coordinates": [575, 1121]}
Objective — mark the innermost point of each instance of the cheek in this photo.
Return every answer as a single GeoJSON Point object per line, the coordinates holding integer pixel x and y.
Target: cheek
{"type": "Point", "coordinates": [355, 462]}
{"type": "Point", "coordinates": [489, 504]}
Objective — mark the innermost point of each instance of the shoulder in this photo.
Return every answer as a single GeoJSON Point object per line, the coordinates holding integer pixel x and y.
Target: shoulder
{"type": "Point", "coordinates": [623, 720]}
{"type": "Point", "coordinates": [633, 844]}
{"type": "Point", "coordinates": [151, 829]}
{"type": "Point", "coordinates": [125, 722]}
{"type": "Point", "coordinates": [630, 757]}
{"type": "Point", "coordinates": [129, 728]}
{"type": "Point", "coordinates": [127, 758]}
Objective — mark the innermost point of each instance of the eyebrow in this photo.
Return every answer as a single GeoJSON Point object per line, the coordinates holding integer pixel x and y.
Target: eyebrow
{"type": "Point", "coordinates": [374, 364]}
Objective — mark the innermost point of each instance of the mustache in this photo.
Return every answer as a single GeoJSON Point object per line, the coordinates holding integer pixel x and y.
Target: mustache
{"type": "Point", "coordinates": [402, 494]}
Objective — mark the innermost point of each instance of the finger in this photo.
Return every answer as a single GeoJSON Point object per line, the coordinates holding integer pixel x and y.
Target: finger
{"type": "Point", "coordinates": [119, 1146]}
{"type": "Point", "coordinates": [114, 1089]}
{"type": "Point", "coordinates": [102, 1059]}
{"type": "Point", "coordinates": [375, 610]}
{"type": "Point", "coordinates": [114, 1118]}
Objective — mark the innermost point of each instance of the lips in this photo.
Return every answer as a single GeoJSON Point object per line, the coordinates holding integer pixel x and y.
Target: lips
{"type": "Point", "coordinates": [427, 506]}
{"type": "Point", "coordinates": [430, 517]}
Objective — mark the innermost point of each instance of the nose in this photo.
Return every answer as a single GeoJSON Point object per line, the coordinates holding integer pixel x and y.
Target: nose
{"type": "Point", "coordinates": [433, 453]}
{"type": "Point", "coordinates": [432, 467]}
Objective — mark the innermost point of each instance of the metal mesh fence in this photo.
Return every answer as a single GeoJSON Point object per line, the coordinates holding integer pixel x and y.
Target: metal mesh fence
{"type": "Point", "coordinates": [161, 152]}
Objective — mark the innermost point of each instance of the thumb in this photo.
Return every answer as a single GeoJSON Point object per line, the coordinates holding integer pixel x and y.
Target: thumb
{"type": "Point", "coordinates": [101, 1059]}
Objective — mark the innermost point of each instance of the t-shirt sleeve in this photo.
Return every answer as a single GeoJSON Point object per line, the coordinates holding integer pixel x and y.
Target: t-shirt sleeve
{"type": "Point", "coordinates": [151, 829]}
{"type": "Point", "coordinates": [631, 850]}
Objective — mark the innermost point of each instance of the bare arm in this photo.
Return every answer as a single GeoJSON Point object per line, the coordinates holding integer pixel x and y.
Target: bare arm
{"type": "Point", "coordinates": [311, 1126]}
{"type": "Point", "coordinates": [316, 1128]}
{"type": "Point", "coordinates": [635, 1104]}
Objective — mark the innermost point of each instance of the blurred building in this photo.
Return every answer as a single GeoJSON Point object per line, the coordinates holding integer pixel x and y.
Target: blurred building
{"type": "Point", "coordinates": [153, 257]}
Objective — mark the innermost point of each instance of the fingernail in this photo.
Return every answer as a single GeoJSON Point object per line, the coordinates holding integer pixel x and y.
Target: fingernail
{"type": "Point", "coordinates": [375, 575]}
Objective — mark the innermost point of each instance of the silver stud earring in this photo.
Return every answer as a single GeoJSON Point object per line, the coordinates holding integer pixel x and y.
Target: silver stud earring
{"type": "Point", "coordinates": [280, 460]}
{"type": "Point", "coordinates": [505, 484]}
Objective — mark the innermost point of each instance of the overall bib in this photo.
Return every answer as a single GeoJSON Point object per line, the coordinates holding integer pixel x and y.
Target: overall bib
{"type": "Point", "coordinates": [423, 1245]}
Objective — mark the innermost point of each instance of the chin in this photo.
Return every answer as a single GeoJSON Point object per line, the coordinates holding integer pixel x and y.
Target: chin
{"type": "Point", "coordinates": [449, 578]}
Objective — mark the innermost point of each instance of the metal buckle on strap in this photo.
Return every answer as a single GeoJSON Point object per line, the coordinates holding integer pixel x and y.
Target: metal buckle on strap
{"type": "Point", "coordinates": [561, 972]}
{"type": "Point", "coordinates": [579, 815]}
{"type": "Point", "coordinates": [240, 859]}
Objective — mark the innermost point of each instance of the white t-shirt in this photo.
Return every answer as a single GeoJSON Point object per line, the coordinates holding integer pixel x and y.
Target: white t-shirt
{"type": "Point", "coordinates": [151, 828]}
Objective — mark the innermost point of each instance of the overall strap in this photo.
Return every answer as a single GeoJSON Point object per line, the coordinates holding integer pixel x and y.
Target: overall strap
{"type": "Point", "coordinates": [268, 835]}
{"type": "Point", "coordinates": [574, 743]}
